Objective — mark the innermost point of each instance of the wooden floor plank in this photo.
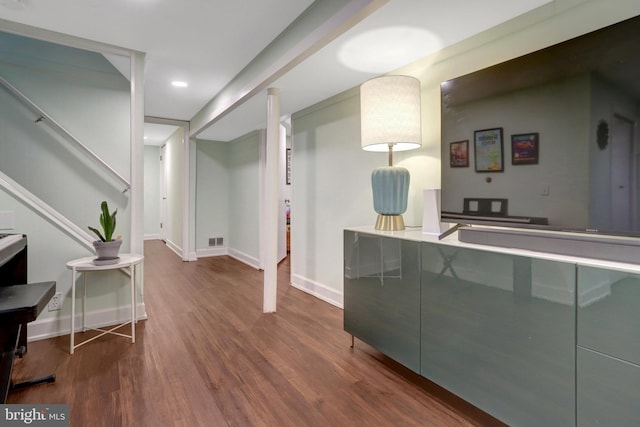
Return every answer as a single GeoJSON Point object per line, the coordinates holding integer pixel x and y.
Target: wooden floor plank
{"type": "Point", "coordinates": [208, 356]}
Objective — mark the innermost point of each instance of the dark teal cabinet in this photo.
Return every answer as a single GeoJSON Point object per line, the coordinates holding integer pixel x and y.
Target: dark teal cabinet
{"type": "Point", "coordinates": [499, 331]}
{"type": "Point", "coordinates": [608, 358]}
{"type": "Point", "coordinates": [533, 341]}
{"type": "Point", "coordinates": [382, 294]}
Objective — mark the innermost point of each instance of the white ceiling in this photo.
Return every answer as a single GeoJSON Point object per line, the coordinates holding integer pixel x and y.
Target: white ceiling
{"type": "Point", "coordinates": [207, 43]}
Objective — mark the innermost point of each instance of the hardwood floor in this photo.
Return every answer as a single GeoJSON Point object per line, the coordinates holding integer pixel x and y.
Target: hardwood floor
{"type": "Point", "coordinates": [208, 356]}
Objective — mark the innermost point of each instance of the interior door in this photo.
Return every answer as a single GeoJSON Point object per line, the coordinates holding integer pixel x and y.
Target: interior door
{"type": "Point", "coordinates": [163, 193]}
{"type": "Point", "coordinates": [621, 173]}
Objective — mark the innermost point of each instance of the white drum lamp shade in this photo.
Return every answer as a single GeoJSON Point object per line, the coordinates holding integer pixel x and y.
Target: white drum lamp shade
{"type": "Point", "coordinates": [390, 121]}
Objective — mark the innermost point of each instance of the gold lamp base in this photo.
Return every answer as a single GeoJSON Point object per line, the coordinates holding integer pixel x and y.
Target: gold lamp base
{"type": "Point", "coordinates": [390, 223]}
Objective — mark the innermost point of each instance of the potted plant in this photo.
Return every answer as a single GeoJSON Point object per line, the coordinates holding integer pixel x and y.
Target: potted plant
{"type": "Point", "coordinates": [107, 248]}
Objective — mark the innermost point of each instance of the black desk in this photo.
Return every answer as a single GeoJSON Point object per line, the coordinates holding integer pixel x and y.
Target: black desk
{"type": "Point", "coordinates": [19, 304]}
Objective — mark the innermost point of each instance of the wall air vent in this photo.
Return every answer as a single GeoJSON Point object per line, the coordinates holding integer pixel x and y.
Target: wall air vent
{"type": "Point", "coordinates": [216, 241]}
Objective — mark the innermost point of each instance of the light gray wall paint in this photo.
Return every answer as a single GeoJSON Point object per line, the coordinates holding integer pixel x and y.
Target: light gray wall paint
{"type": "Point", "coordinates": [78, 91]}
{"type": "Point", "coordinates": [331, 189]}
{"type": "Point", "coordinates": [212, 189]}
{"type": "Point", "coordinates": [244, 196]}
{"type": "Point", "coordinates": [174, 167]}
{"type": "Point", "coordinates": [152, 178]}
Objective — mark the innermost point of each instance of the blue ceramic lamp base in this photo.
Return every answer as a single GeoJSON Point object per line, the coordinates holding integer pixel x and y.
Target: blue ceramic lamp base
{"type": "Point", "coordinates": [390, 187]}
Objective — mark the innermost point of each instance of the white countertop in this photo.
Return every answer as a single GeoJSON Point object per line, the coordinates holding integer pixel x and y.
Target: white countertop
{"type": "Point", "coordinates": [416, 234]}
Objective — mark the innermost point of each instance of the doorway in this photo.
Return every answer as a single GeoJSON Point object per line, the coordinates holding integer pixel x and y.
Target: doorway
{"type": "Point", "coordinates": [164, 190]}
{"type": "Point", "coordinates": [622, 174]}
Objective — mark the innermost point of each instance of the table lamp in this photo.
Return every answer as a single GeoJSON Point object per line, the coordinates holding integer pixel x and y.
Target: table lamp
{"type": "Point", "coordinates": [390, 121]}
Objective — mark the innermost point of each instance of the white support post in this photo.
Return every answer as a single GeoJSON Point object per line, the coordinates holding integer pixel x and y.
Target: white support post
{"type": "Point", "coordinates": [136, 244]}
{"type": "Point", "coordinates": [271, 202]}
{"type": "Point", "coordinates": [137, 153]}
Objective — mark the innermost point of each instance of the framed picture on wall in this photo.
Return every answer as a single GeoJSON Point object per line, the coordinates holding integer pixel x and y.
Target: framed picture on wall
{"type": "Point", "coordinates": [525, 149]}
{"type": "Point", "coordinates": [459, 154]}
{"type": "Point", "coordinates": [488, 150]}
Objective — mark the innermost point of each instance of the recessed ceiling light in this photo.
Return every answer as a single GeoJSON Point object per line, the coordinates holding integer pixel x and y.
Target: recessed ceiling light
{"type": "Point", "coordinates": [178, 83]}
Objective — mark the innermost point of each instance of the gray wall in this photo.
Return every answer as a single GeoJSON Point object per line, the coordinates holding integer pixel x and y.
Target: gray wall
{"type": "Point", "coordinates": [174, 170]}
{"type": "Point", "coordinates": [244, 197]}
{"type": "Point", "coordinates": [213, 196]}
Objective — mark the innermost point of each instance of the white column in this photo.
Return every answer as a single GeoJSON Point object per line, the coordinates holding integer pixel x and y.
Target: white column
{"type": "Point", "coordinates": [271, 202]}
{"type": "Point", "coordinates": [136, 195]}
{"type": "Point", "coordinates": [137, 153]}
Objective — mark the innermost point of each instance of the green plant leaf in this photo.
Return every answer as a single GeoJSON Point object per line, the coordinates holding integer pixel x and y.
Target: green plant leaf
{"type": "Point", "coordinates": [113, 222]}
{"type": "Point", "coordinates": [107, 222]}
{"type": "Point", "coordinates": [95, 230]}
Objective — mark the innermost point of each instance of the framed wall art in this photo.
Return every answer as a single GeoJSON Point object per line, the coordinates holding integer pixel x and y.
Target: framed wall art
{"type": "Point", "coordinates": [488, 150]}
{"type": "Point", "coordinates": [525, 149]}
{"type": "Point", "coordinates": [459, 154]}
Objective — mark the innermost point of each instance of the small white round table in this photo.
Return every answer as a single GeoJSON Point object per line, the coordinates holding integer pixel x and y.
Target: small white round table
{"type": "Point", "coordinates": [128, 263]}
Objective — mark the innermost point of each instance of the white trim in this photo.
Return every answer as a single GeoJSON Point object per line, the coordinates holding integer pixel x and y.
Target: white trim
{"type": "Point", "coordinates": [262, 199]}
{"type": "Point", "coordinates": [175, 248]}
{"type": "Point", "coordinates": [595, 294]}
{"type": "Point", "coordinates": [136, 153]}
{"type": "Point", "coordinates": [245, 259]}
{"type": "Point", "coordinates": [191, 242]}
{"type": "Point", "coordinates": [318, 290]}
{"type": "Point", "coordinates": [57, 326]}
{"type": "Point", "coordinates": [136, 162]}
{"type": "Point", "coordinates": [188, 187]}
{"type": "Point", "coordinates": [210, 252]}
{"type": "Point", "coordinates": [152, 237]}
{"type": "Point", "coordinates": [186, 191]}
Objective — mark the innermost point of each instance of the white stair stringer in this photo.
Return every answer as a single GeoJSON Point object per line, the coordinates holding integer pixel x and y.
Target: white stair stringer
{"type": "Point", "coordinates": [47, 211]}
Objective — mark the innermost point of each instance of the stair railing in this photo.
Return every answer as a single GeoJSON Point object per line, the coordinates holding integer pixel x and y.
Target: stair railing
{"type": "Point", "coordinates": [43, 116]}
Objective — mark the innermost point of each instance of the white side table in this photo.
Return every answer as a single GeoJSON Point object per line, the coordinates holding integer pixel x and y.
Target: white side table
{"type": "Point", "coordinates": [84, 265]}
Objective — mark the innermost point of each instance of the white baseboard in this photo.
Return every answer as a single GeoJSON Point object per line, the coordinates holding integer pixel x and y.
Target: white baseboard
{"type": "Point", "coordinates": [550, 293]}
{"type": "Point", "coordinates": [152, 237]}
{"type": "Point", "coordinates": [596, 293]}
{"type": "Point", "coordinates": [175, 248]}
{"type": "Point", "coordinates": [209, 252]}
{"type": "Point", "coordinates": [244, 258]}
{"type": "Point", "coordinates": [54, 327]}
{"type": "Point", "coordinates": [318, 290]}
